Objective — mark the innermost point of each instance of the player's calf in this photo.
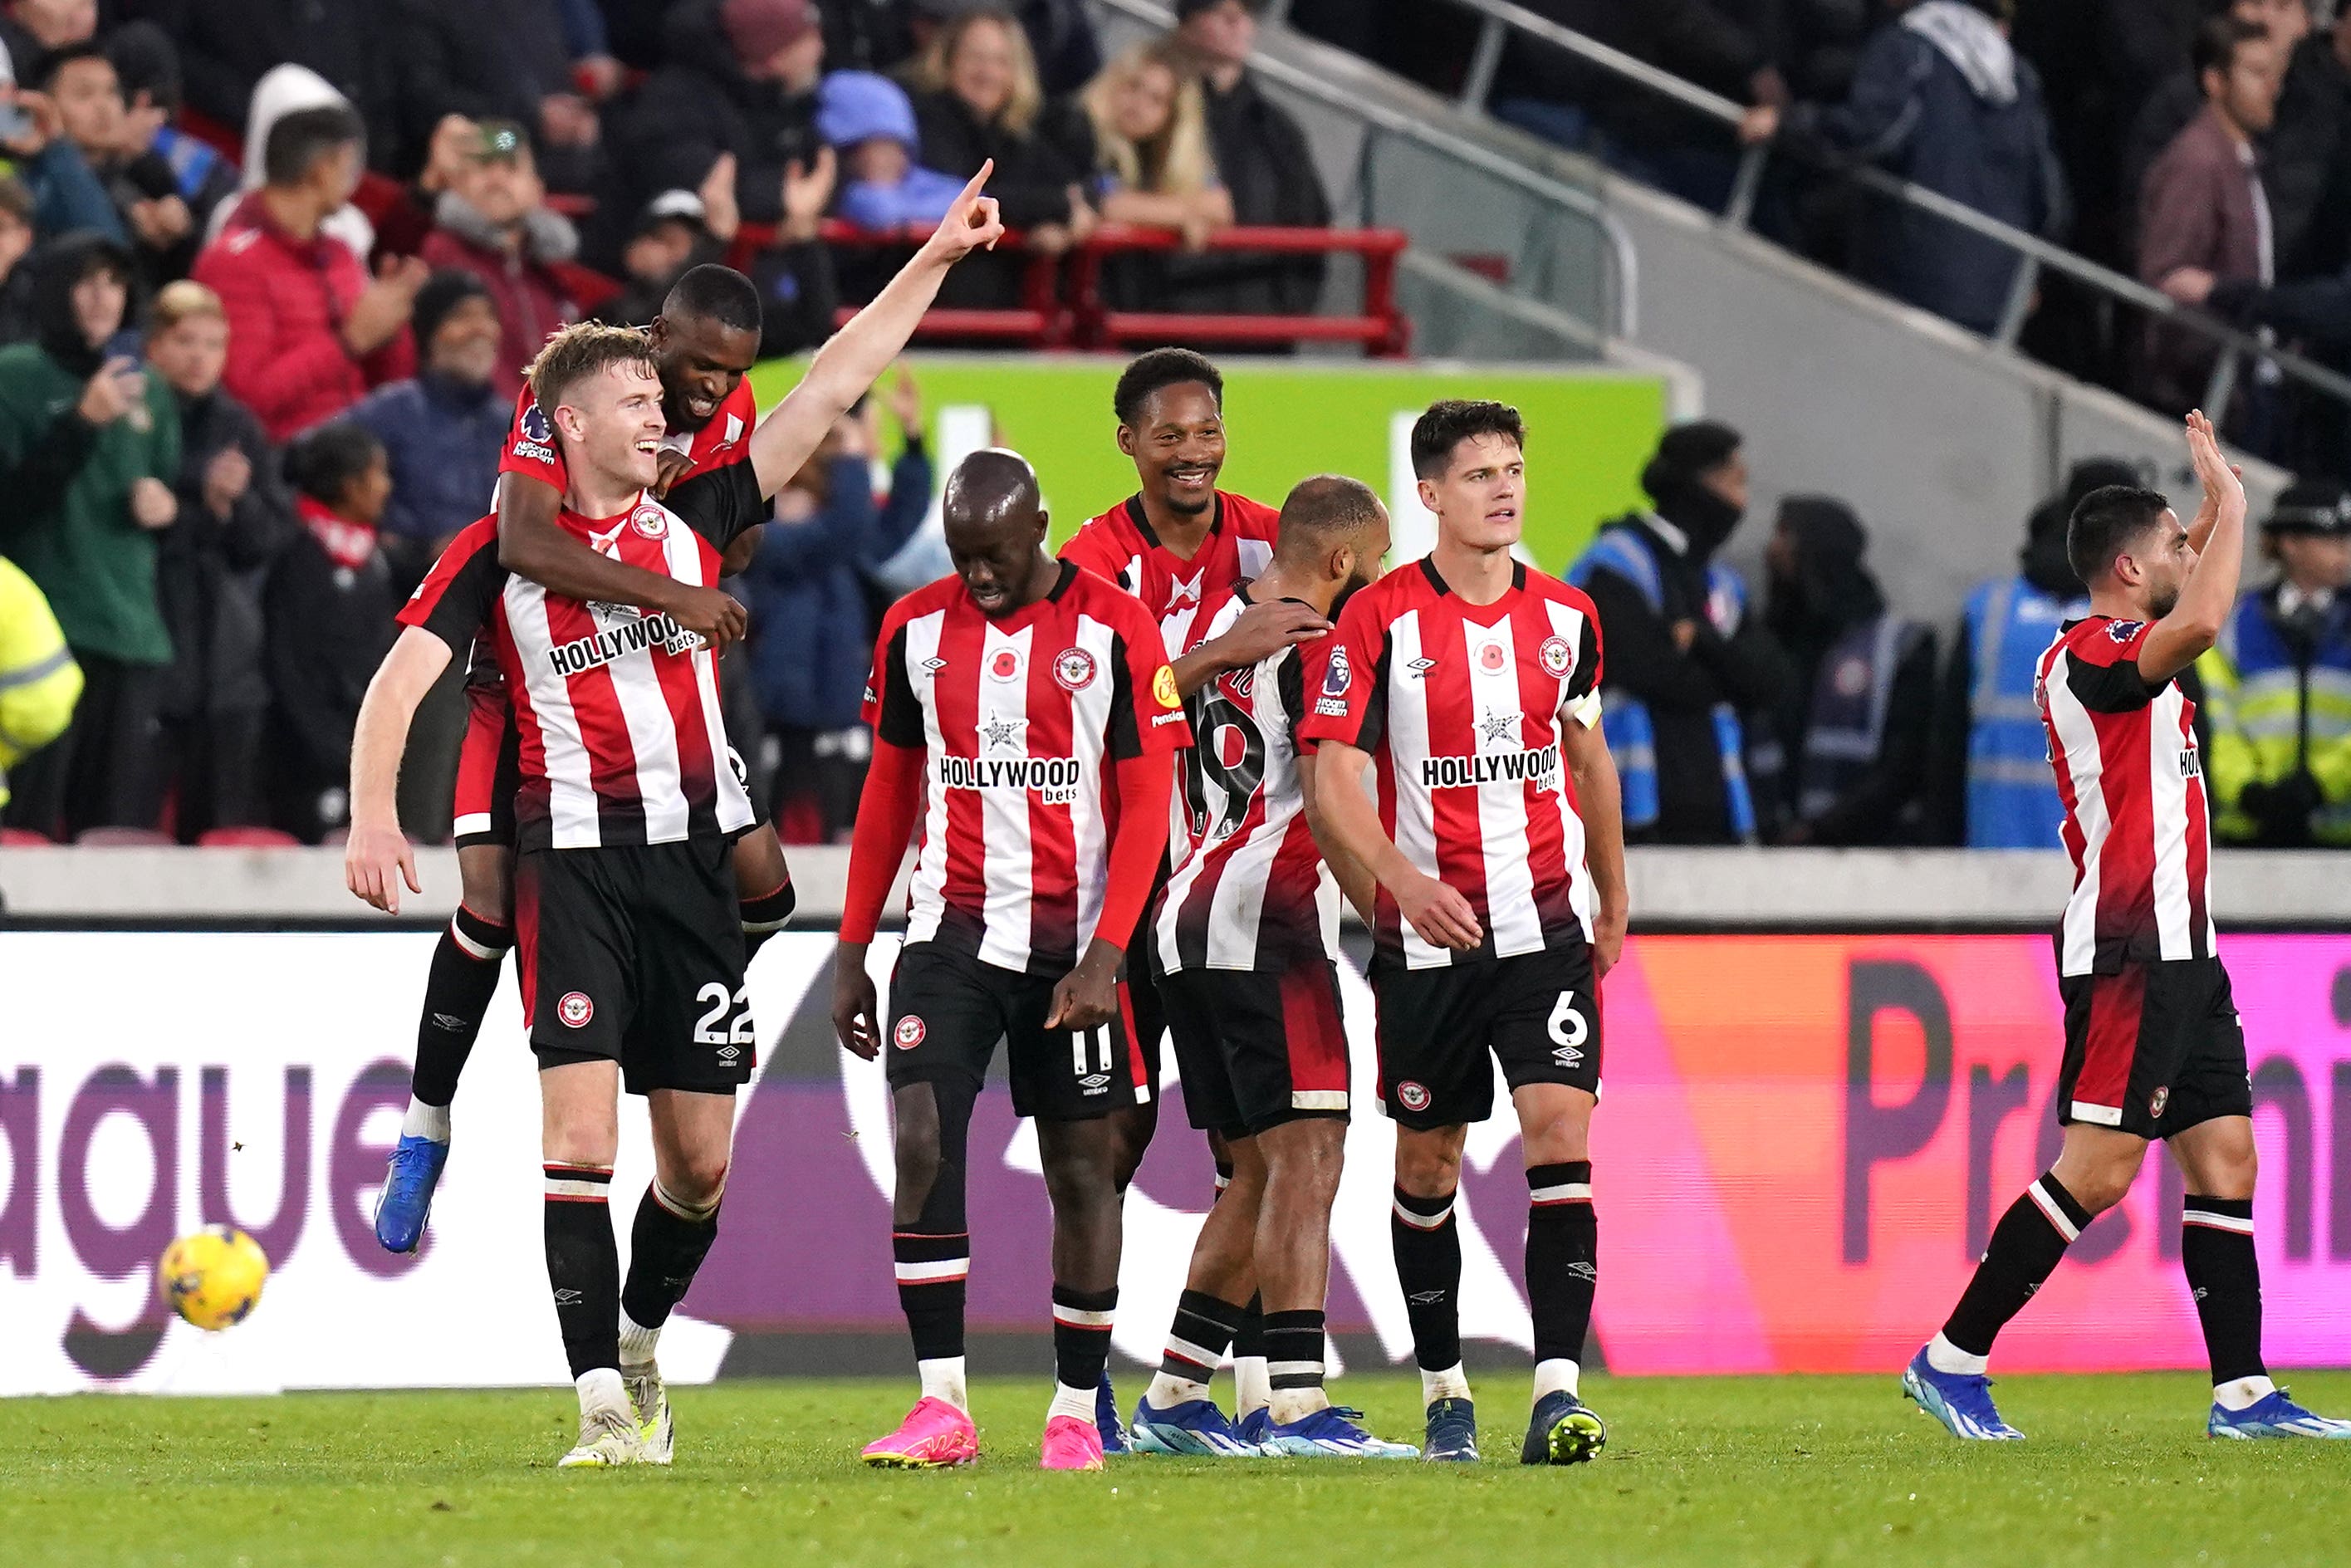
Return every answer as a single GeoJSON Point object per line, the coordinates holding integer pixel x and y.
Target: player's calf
{"type": "Point", "coordinates": [458, 986]}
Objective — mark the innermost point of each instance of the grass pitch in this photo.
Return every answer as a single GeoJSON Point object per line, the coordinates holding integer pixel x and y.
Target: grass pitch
{"type": "Point", "coordinates": [1714, 1471]}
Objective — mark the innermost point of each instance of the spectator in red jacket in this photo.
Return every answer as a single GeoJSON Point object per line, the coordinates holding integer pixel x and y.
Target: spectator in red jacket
{"type": "Point", "coordinates": [309, 331]}
{"type": "Point", "coordinates": [494, 221]}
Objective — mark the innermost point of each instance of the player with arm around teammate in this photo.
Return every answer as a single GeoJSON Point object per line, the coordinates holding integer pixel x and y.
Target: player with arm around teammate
{"type": "Point", "coordinates": [1470, 683]}
{"type": "Point", "coordinates": [2154, 1047]}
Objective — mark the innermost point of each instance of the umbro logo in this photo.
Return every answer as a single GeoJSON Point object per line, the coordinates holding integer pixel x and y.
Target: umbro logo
{"type": "Point", "coordinates": [1567, 1056]}
{"type": "Point", "coordinates": [449, 1022]}
{"type": "Point", "coordinates": [1426, 1298]}
{"type": "Point", "coordinates": [1419, 667]}
{"type": "Point", "coordinates": [727, 1053]}
{"type": "Point", "coordinates": [935, 666]}
{"type": "Point", "coordinates": [567, 1298]}
{"type": "Point", "coordinates": [1585, 1272]}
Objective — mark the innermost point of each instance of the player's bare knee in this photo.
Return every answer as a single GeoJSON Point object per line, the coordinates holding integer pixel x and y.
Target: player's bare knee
{"type": "Point", "coordinates": [1428, 1164]}
{"type": "Point", "coordinates": [485, 876]}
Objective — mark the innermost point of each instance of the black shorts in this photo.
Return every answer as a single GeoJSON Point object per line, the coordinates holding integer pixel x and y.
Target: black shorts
{"type": "Point", "coordinates": [947, 1011]}
{"type": "Point", "coordinates": [634, 954]}
{"type": "Point", "coordinates": [1441, 1030]}
{"type": "Point", "coordinates": [2153, 1051]}
{"type": "Point", "coordinates": [1256, 1051]}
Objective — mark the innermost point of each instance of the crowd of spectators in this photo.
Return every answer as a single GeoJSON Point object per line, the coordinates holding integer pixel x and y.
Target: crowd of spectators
{"type": "Point", "coordinates": [270, 275]}
{"type": "Point", "coordinates": [1817, 714]}
{"type": "Point", "coordinates": [2203, 146]}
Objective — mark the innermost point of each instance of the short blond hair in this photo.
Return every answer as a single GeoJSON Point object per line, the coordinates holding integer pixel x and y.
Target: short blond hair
{"type": "Point", "coordinates": [582, 350]}
{"type": "Point", "coordinates": [184, 300]}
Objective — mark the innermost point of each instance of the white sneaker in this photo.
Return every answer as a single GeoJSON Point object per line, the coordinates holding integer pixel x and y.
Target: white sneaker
{"type": "Point", "coordinates": [650, 1403]}
{"type": "Point", "coordinates": [608, 1435]}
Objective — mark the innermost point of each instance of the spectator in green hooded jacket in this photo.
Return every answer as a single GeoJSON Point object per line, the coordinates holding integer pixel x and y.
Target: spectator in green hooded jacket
{"type": "Point", "coordinates": [88, 446]}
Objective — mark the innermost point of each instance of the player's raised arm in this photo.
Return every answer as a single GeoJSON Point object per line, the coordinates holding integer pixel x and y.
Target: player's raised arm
{"type": "Point", "coordinates": [1600, 802]}
{"type": "Point", "coordinates": [2209, 591]}
{"type": "Point", "coordinates": [1442, 916]}
{"type": "Point", "coordinates": [846, 368]}
{"type": "Point", "coordinates": [377, 856]}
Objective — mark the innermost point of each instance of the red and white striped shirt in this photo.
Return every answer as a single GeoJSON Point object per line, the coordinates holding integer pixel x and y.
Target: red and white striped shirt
{"type": "Point", "coordinates": [531, 448]}
{"type": "Point", "coordinates": [1122, 546]}
{"type": "Point", "coordinates": [1460, 707]}
{"type": "Point", "coordinates": [1249, 890]}
{"type": "Point", "coordinates": [2136, 820]}
{"type": "Point", "coordinates": [1020, 719]}
{"type": "Point", "coordinates": [616, 710]}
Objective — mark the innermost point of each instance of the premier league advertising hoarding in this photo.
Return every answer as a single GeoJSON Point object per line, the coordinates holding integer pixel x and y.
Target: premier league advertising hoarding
{"type": "Point", "coordinates": [1802, 1144]}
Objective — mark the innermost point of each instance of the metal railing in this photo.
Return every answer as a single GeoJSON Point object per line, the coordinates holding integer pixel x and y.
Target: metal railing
{"type": "Point", "coordinates": [2034, 254]}
{"type": "Point", "coordinates": [1621, 308]}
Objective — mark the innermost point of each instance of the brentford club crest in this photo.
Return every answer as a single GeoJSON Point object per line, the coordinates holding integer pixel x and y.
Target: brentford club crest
{"type": "Point", "coordinates": [575, 1009]}
{"type": "Point", "coordinates": [1412, 1096]}
{"type": "Point", "coordinates": [1558, 657]}
{"type": "Point", "coordinates": [1004, 665]}
{"type": "Point", "coordinates": [651, 522]}
{"type": "Point", "coordinates": [909, 1032]}
{"type": "Point", "coordinates": [1490, 657]}
{"type": "Point", "coordinates": [1074, 669]}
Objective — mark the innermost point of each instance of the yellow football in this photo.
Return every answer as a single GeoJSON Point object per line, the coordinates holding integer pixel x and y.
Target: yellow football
{"type": "Point", "coordinates": [212, 1277]}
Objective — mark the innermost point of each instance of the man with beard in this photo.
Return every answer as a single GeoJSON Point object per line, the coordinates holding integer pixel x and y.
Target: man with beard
{"type": "Point", "coordinates": [1846, 756]}
{"type": "Point", "coordinates": [1690, 659]}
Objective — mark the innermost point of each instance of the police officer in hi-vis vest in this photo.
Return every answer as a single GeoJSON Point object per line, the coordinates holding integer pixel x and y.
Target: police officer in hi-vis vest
{"type": "Point", "coordinates": [2277, 686]}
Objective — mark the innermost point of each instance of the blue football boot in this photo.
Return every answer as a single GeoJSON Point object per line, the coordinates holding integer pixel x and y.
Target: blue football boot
{"type": "Point", "coordinates": [1196, 1427]}
{"type": "Point", "coordinates": [1114, 1437]}
{"type": "Point", "coordinates": [1255, 1428]}
{"type": "Point", "coordinates": [1564, 1430]}
{"type": "Point", "coordinates": [1452, 1436]}
{"type": "Point", "coordinates": [1333, 1432]}
{"type": "Point", "coordinates": [2273, 1415]}
{"type": "Point", "coordinates": [407, 1196]}
{"type": "Point", "coordinates": [1961, 1401]}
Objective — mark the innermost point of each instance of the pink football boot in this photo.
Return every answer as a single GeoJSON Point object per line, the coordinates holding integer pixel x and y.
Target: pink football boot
{"type": "Point", "coordinates": [934, 1435]}
{"type": "Point", "coordinates": [1072, 1445]}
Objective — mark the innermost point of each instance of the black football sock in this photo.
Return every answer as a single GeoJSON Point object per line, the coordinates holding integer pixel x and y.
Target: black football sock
{"type": "Point", "coordinates": [2026, 1247]}
{"type": "Point", "coordinates": [1081, 1321]}
{"type": "Point", "coordinates": [583, 1265]}
{"type": "Point", "coordinates": [1198, 1338]}
{"type": "Point", "coordinates": [2216, 1249]}
{"type": "Point", "coordinates": [1293, 1350]}
{"type": "Point", "coordinates": [1428, 1266]}
{"type": "Point", "coordinates": [1563, 1258]}
{"type": "Point", "coordinates": [457, 991]}
{"type": "Point", "coordinates": [667, 1243]}
{"type": "Point", "coordinates": [765, 915]}
{"type": "Point", "coordinates": [932, 1252]}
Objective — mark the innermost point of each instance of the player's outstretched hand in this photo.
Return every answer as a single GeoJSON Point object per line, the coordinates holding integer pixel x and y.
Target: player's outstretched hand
{"type": "Point", "coordinates": [972, 222]}
{"type": "Point", "coordinates": [1441, 915]}
{"type": "Point", "coordinates": [376, 859]}
{"type": "Point", "coordinates": [712, 614]}
{"type": "Point", "coordinates": [2222, 480]}
{"type": "Point", "coordinates": [1265, 629]}
{"type": "Point", "coordinates": [854, 1002]}
{"type": "Point", "coordinates": [1087, 996]}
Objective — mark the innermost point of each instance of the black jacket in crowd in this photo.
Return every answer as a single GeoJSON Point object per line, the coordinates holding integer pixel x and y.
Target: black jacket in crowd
{"type": "Point", "coordinates": [1031, 186]}
{"type": "Point", "coordinates": [208, 569]}
{"type": "Point", "coordinates": [227, 45]}
{"type": "Point", "coordinates": [327, 629]}
{"type": "Point", "coordinates": [447, 62]}
{"type": "Point", "coordinates": [696, 106]}
{"type": "Point", "coordinates": [1746, 670]}
{"type": "Point", "coordinates": [1266, 165]}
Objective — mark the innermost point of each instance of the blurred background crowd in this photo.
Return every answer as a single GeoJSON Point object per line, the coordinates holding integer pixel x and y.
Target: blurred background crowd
{"type": "Point", "coordinates": [269, 271]}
